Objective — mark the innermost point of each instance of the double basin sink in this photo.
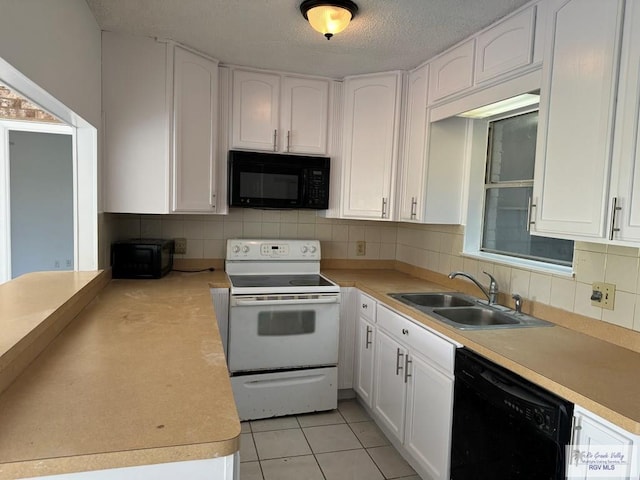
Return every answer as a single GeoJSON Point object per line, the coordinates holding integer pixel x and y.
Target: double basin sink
{"type": "Point", "coordinates": [467, 313]}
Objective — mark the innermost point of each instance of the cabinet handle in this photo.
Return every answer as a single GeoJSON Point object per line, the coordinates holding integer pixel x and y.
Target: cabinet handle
{"type": "Point", "coordinates": [407, 362]}
{"type": "Point", "coordinates": [288, 140]}
{"type": "Point", "coordinates": [368, 338]}
{"type": "Point", "coordinates": [530, 207]}
{"type": "Point", "coordinates": [399, 366]}
{"type": "Point", "coordinates": [384, 207]}
{"type": "Point", "coordinates": [405, 331]}
{"type": "Point", "coordinates": [213, 201]}
{"type": "Point", "coordinates": [614, 210]}
{"type": "Point", "coordinates": [414, 205]}
{"type": "Point", "coordinates": [275, 140]}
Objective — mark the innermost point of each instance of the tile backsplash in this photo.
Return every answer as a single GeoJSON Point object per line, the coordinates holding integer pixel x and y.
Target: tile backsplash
{"type": "Point", "coordinates": [433, 247]}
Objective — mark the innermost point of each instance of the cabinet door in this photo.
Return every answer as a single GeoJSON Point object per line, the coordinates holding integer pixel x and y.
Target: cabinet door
{"type": "Point", "coordinates": [429, 414]}
{"type": "Point", "coordinates": [389, 385]}
{"type": "Point", "coordinates": [136, 99]}
{"type": "Point", "coordinates": [589, 434]}
{"type": "Point", "coordinates": [195, 127]}
{"type": "Point", "coordinates": [370, 145]}
{"type": "Point", "coordinates": [304, 124]}
{"type": "Point", "coordinates": [414, 155]}
{"type": "Point", "coordinates": [506, 46]}
{"type": "Point", "coordinates": [626, 156]}
{"type": "Point", "coordinates": [452, 71]}
{"type": "Point", "coordinates": [365, 361]}
{"type": "Point", "coordinates": [256, 99]}
{"type": "Point", "coordinates": [576, 118]}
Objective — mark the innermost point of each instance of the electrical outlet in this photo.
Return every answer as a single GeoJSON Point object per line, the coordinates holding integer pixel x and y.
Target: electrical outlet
{"type": "Point", "coordinates": [604, 295]}
{"type": "Point", "coordinates": [56, 264]}
{"type": "Point", "coordinates": [361, 248]}
{"type": "Point", "coordinates": [181, 245]}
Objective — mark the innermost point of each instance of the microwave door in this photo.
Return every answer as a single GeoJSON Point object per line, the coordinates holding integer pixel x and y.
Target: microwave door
{"type": "Point", "coordinates": [269, 186]}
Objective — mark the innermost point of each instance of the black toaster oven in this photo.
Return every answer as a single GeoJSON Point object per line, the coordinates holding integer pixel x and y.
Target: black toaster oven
{"type": "Point", "coordinates": [142, 258]}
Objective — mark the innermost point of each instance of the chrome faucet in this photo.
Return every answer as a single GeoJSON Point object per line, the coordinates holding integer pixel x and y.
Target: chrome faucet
{"type": "Point", "coordinates": [491, 294]}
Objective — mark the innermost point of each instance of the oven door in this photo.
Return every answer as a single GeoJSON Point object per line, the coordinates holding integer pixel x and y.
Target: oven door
{"type": "Point", "coordinates": [270, 332]}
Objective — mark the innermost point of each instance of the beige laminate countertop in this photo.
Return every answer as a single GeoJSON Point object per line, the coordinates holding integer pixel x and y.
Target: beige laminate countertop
{"type": "Point", "coordinates": [138, 377]}
{"type": "Point", "coordinates": [595, 374]}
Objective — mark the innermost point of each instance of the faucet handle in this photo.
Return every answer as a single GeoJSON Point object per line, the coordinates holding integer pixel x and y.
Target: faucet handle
{"type": "Point", "coordinates": [493, 286]}
{"type": "Point", "coordinates": [518, 302]}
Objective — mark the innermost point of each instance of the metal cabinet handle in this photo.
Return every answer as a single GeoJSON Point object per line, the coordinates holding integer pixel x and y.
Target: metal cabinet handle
{"type": "Point", "coordinates": [614, 210]}
{"type": "Point", "coordinates": [384, 207]}
{"type": "Point", "coordinates": [399, 366]}
{"type": "Point", "coordinates": [288, 140]}
{"type": "Point", "coordinates": [414, 205]}
{"type": "Point", "coordinates": [275, 140]}
{"type": "Point", "coordinates": [368, 338]}
{"type": "Point", "coordinates": [530, 220]}
{"type": "Point", "coordinates": [407, 362]}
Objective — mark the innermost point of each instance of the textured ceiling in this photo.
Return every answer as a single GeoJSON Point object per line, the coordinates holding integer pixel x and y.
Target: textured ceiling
{"type": "Point", "coordinates": [385, 35]}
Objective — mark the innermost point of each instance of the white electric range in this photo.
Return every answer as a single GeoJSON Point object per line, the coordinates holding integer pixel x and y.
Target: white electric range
{"type": "Point", "coordinates": [283, 328]}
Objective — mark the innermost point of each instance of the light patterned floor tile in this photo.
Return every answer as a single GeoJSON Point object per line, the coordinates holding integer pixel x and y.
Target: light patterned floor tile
{"type": "Point", "coordinates": [281, 423]}
{"type": "Point", "coordinates": [250, 471]}
{"type": "Point", "coordinates": [316, 419]}
{"type": "Point", "coordinates": [281, 443]}
{"type": "Point", "coordinates": [247, 448]}
{"type": "Point", "coordinates": [331, 438]}
{"type": "Point", "coordinates": [292, 468]}
{"type": "Point", "coordinates": [349, 465]}
{"type": "Point", "coordinates": [390, 462]}
{"type": "Point", "coordinates": [369, 434]}
{"type": "Point", "coordinates": [352, 411]}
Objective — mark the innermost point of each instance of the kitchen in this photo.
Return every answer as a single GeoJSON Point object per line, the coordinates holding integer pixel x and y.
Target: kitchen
{"type": "Point", "coordinates": [434, 247]}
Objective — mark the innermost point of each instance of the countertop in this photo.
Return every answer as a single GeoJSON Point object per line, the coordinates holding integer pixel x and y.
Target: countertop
{"type": "Point", "coordinates": [138, 377]}
{"type": "Point", "coordinates": [598, 375]}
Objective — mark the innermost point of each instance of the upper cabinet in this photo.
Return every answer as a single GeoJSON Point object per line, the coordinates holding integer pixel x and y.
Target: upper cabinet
{"type": "Point", "coordinates": [156, 95]}
{"type": "Point", "coordinates": [452, 72]}
{"type": "Point", "coordinates": [370, 145]}
{"type": "Point", "coordinates": [414, 156]}
{"type": "Point", "coordinates": [506, 46]}
{"type": "Point", "coordinates": [575, 130]}
{"type": "Point", "coordinates": [277, 113]}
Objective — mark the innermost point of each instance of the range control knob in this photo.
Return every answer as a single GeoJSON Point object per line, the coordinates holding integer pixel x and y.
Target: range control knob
{"type": "Point", "coordinates": [303, 249]}
{"type": "Point", "coordinates": [236, 248]}
{"type": "Point", "coordinates": [312, 249]}
{"type": "Point", "coordinates": [245, 249]}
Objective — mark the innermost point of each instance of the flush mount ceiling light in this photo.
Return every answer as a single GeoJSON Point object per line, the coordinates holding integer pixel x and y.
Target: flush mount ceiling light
{"type": "Point", "coordinates": [328, 17]}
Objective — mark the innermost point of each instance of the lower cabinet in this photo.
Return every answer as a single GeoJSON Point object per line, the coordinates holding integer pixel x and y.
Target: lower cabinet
{"type": "Point", "coordinates": [600, 449]}
{"type": "Point", "coordinates": [365, 344]}
{"type": "Point", "coordinates": [405, 377]}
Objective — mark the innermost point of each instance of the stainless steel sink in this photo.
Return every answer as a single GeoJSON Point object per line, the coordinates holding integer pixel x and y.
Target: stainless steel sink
{"type": "Point", "coordinates": [467, 313]}
{"type": "Point", "coordinates": [476, 317]}
{"type": "Point", "coordinates": [434, 299]}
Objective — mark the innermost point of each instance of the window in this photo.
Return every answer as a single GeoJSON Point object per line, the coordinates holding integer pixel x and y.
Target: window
{"type": "Point", "coordinates": [508, 188]}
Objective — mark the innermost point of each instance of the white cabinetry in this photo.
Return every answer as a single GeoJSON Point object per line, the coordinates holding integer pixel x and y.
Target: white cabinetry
{"type": "Point", "coordinates": [371, 131]}
{"type": "Point", "coordinates": [366, 338]}
{"type": "Point", "coordinates": [279, 113]}
{"type": "Point", "coordinates": [155, 95]}
{"type": "Point", "coordinates": [452, 72]}
{"type": "Point", "coordinates": [593, 435]}
{"type": "Point", "coordinates": [195, 131]}
{"type": "Point", "coordinates": [414, 157]}
{"type": "Point", "coordinates": [575, 131]}
{"type": "Point", "coordinates": [506, 46]}
{"type": "Point", "coordinates": [626, 154]}
{"type": "Point", "coordinates": [348, 325]}
{"type": "Point", "coordinates": [413, 391]}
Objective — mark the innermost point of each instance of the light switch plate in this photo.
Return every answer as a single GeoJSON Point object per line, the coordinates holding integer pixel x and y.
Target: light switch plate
{"type": "Point", "coordinates": [608, 291]}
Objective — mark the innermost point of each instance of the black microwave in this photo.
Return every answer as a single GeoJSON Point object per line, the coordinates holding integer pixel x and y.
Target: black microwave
{"type": "Point", "coordinates": [142, 258]}
{"type": "Point", "coordinates": [269, 180]}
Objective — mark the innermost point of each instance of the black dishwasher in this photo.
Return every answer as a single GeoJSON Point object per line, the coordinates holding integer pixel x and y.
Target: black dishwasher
{"type": "Point", "coordinates": [505, 427]}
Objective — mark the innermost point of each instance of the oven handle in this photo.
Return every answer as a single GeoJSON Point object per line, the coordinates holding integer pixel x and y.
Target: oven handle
{"type": "Point", "coordinates": [252, 302]}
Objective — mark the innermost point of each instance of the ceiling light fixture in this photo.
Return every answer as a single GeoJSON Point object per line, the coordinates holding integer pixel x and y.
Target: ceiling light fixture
{"type": "Point", "coordinates": [328, 17]}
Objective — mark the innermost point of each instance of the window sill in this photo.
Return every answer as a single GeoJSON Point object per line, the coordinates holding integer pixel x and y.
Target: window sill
{"type": "Point", "coordinates": [532, 265]}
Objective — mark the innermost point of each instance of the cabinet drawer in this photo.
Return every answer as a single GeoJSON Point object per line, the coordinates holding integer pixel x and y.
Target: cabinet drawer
{"type": "Point", "coordinates": [367, 307]}
{"type": "Point", "coordinates": [437, 350]}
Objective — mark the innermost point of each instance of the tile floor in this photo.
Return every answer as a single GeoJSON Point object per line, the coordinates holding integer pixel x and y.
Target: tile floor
{"type": "Point", "coordinates": [344, 444]}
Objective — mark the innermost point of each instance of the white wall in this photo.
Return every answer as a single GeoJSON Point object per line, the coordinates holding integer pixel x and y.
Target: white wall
{"type": "Point", "coordinates": [56, 44]}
